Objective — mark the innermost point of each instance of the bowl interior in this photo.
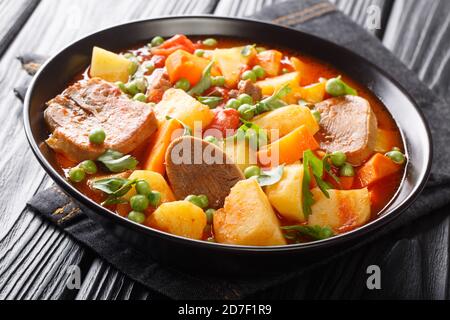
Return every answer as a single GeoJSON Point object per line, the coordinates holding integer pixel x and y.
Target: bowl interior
{"type": "Point", "coordinates": [61, 69]}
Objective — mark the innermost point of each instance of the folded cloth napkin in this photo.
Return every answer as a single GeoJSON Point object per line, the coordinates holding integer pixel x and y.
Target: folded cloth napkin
{"type": "Point", "coordinates": [316, 17]}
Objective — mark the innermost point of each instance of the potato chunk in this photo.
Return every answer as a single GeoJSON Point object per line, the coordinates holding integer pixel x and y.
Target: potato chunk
{"type": "Point", "coordinates": [231, 62]}
{"type": "Point", "coordinates": [286, 120]}
{"type": "Point", "coordinates": [343, 211]}
{"type": "Point", "coordinates": [286, 195]}
{"type": "Point", "coordinates": [109, 66]}
{"type": "Point", "coordinates": [177, 104]}
{"type": "Point", "coordinates": [247, 218]}
{"type": "Point", "coordinates": [241, 152]}
{"type": "Point", "coordinates": [181, 218]}
{"type": "Point", "coordinates": [269, 85]}
{"type": "Point", "coordinates": [156, 182]}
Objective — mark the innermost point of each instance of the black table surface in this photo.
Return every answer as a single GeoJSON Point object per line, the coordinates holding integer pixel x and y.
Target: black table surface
{"type": "Point", "coordinates": [35, 257]}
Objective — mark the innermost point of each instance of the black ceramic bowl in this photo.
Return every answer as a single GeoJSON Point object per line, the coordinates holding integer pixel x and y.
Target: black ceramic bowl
{"type": "Point", "coordinates": [200, 255]}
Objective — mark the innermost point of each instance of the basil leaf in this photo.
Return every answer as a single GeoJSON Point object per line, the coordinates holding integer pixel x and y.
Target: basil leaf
{"type": "Point", "coordinates": [211, 102]}
{"type": "Point", "coordinates": [115, 187]}
{"type": "Point", "coordinates": [187, 130]}
{"type": "Point", "coordinates": [312, 164]}
{"type": "Point", "coordinates": [314, 232]}
{"type": "Point", "coordinates": [268, 178]}
{"type": "Point", "coordinates": [116, 161]}
{"type": "Point", "coordinates": [113, 200]}
{"type": "Point", "coordinates": [204, 83]}
{"type": "Point", "coordinates": [247, 50]}
{"type": "Point", "coordinates": [274, 101]}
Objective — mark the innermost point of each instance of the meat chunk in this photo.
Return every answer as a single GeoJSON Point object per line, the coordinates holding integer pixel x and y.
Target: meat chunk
{"type": "Point", "coordinates": [195, 166]}
{"type": "Point", "coordinates": [158, 84]}
{"type": "Point", "coordinates": [348, 124]}
{"type": "Point", "coordinates": [248, 87]}
{"type": "Point", "coordinates": [96, 104]}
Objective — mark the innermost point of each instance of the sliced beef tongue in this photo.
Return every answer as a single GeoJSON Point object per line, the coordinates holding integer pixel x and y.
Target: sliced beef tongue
{"type": "Point", "coordinates": [92, 104]}
{"type": "Point", "coordinates": [248, 87]}
{"type": "Point", "coordinates": [348, 124]}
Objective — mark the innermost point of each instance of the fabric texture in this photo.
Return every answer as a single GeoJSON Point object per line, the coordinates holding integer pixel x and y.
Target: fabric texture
{"type": "Point", "coordinates": [316, 17]}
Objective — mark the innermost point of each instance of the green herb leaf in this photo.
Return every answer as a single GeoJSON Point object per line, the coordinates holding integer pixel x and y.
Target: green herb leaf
{"type": "Point", "coordinates": [327, 168]}
{"type": "Point", "coordinates": [204, 83]}
{"type": "Point", "coordinates": [313, 232]}
{"type": "Point", "coordinates": [211, 102]}
{"type": "Point", "coordinates": [116, 161]}
{"type": "Point", "coordinates": [113, 200]}
{"type": "Point", "coordinates": [114, 187]}
{"type": "Point", "coordinates": [247, 50]}
{"type": "Point", "coordinates": [270, 177]}
{"type": "Point", "coordinates": [274, 101]}
{"type": "Point", "coordinates": [187, 130]}
{"type": "Point", "coordinates": [252, 132]}
{"type": "Point", "coordinates": [312, 164]}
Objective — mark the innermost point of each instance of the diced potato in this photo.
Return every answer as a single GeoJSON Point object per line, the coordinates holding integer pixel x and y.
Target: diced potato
{"type": "Point", "coordinates": [231, 62]}
{"type": "Point", "coordinates": [177, 104]}
{"type": "Point", "coordinates": [181, 218]}
{"type": "Point", "coordinates": [156, 182]}
{"type": "Point", "coordinates": [247, 218]}
{"type": "Point", "coordinates": [109, 66]}
{"type": "Point", "coordinates": [343, 211]}
{"type": "Point", "coordinates": [313, 93]}
{"type": "Point", "coordinates": [386, 140]}
{"type": "Point", "coordinates": [287, 119]}
{"type": "Point", "coordinates": [286, 195]}
{"type": "Point", "coordinates": [240, 151]}
{"type": "Point", "coordinates": [269, 85]}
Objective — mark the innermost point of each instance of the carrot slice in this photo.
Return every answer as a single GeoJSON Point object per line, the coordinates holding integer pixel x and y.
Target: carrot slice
{"type": "Point", "coordinates": [378, 167]}
{"type": "Point", "coordinates": [288, 149]}
{"type": "Point", "coordinates": [158, 146]}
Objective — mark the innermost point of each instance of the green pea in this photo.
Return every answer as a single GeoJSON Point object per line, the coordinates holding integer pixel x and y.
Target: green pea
{"type": "Point", "coordinates": [142, 187]}
{"type": "Point", "coordinates": [141, 84]}
{"type": "Point", "coordinates": [199, 52]}
{"type": "Point", "coordinates": [252, 171]}
{"type": "Point", "coordinates": [129, 55]}
{"type": "Point", "coordinates": [121, 86]}
{"type": "Point", "coordinates": [210, 139]}
{"type": "Point", "coordinates": [210, 42]}
{"type": "Point", "coordinates": [396, 149]}
{"type": "Point", "coordinates": [88, 166]}
{"type": "Point", "coordinates": [259, 71]}
{"type": "Point", "coordinates": [396, 156]}
{"type": "Point", "coordinates": [136, 86]}
{"type": "Point", "coordinates": [316, 115]}
{"type": "Point", "coordinates": [284, 70]}
{"type": "Point", "coordinates": [77, 174]}
{"type": "Point", "coordinates": [336, 87]}
{"type": "Point", "coordinates": [133, 68]}
{"type": "Point", "coordinates": [204, 201]}
{"type": "Point", "coordinates": [140, 97]}
{"type": "Point", "coordinates": [338, 158]}
{"type": "Point", "coordinates": [233, 104]}
{"type": "Point", "coordinates": [154, 197]}
{"type": "Point", "coordinates": [139, 202]}
{"type": "Point", "coordinates": [194, 200]}
{"type": "Point", "coordinates": [209, 215]}
{"type": "Point", "coordinates": [137, 217]}
{"type": "Point", "coordinates": [245, 99]}
{"type": "Point", "coordinates": [156, 41]}
{"type": "Point", "coordinates": [183, 84]}
{"type": "Point", "coordinates": [246, 111]}
{"type": "Point", "coordinates": [149, 66]}
{"type": "Point", "coordinates": [97, 136]}
{"type": "Point", "coordinates": [218, 81]}
{"type": "Point", "coordinates": [347, 170]}
{"type": "Point", "coordinates": [249, 75]}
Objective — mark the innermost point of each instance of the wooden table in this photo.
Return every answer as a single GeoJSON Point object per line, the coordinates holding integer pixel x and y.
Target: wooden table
{"type": "Point", "coordinates": [34, 256]}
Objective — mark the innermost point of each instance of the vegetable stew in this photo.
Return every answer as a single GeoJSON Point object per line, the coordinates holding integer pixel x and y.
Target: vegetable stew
{"type": "Point", "coordinates": [227, 141]}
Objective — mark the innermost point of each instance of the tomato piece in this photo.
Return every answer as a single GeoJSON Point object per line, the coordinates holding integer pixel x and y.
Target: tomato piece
{"type": "Point", "coordinates": [225, 121]}
{"type": "Point", "coordinates": [179, 41]}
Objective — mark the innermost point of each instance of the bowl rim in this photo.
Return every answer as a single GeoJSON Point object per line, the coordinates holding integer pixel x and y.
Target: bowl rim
{"type": "Point", "coordinates": [389, 215]}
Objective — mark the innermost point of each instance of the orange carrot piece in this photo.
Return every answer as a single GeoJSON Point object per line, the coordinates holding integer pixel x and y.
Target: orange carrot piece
{"type": "Point", "coordinates": [288, 149]}
{"type": "Point", "coordinates": [182, 64]}
{"type": "Point", "coordinates": [270, 60]}
{"type": "Point", "coordinates": [378, 167]}
{"type": "Point", "coordinates": [158, 146]}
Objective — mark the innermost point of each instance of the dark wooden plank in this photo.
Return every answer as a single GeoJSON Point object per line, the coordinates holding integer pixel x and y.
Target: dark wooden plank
{"type": "Point", "coordinates": [14, 16]}
{"type": "Point", "coordinates": [34, 256]}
